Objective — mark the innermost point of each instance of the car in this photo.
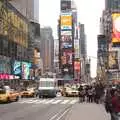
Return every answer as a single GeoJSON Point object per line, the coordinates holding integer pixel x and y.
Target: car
{"type": "Point", "coordinates": [71, 92]}
{"type": "Point", "coordinates": [8, 95]}
{"type": "Point", "coordinates": [30, 92]}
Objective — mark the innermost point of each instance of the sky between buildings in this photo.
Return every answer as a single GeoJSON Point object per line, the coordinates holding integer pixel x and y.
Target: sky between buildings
{"type": "Point", "coordinates": [89, 13]}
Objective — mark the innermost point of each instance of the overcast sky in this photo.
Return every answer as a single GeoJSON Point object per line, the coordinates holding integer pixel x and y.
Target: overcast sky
{"type": "Point", "coordinates": [89, 13]}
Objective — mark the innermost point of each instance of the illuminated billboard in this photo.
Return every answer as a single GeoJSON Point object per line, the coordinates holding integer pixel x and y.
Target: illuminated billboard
{"type": "Point", "coordinates": [17, 68]}
{"type": "Point", "coordinates": [77, 66]}
{"type": "Point", "coordinates": [66, 45]}
{"type": "Point", "coordinates": [66, 33]}
{"type": "Point", "coordinates": [77, 48]}
{"type": "Point", "coordinates": [113, 60]}
{"type": "Point", "coordinates": [66, 5]}
{"type": "Point", "coordinates": [66, 57]}
{"type": "Point", "coordinates": [66, 21]}
{"type": "Point", "coordinates": [66, 38]}
{"type": "Point", "coordinates": [26, 70]}
{"type": "Point", "coordinates": [116, 28]}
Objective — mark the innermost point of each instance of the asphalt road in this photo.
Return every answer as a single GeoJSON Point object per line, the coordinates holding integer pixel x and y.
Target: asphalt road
{"type": "Point", "coordinates": [37, 109]}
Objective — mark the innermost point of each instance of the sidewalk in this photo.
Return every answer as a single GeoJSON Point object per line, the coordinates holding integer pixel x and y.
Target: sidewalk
{"type": "Point", "coordinates": [88, 111]}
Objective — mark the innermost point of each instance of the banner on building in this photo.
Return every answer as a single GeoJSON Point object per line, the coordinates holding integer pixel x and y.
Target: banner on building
{"type": "Point", "coordinates": [116, 28]}
{"type": "Point", "coordinates": [66, 5]}
{"type": "Point", "coordinates": [113, 60]}
{"type": "Point", "coordinates": [66, 21]}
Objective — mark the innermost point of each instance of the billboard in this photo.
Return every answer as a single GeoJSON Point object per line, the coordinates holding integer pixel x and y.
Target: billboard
{"type": "Point", "coordinates": [66, 5]}
{"type": "Point", "coordinates": [77, 48]}
{"type": "Point", "coordinates": [5, 64]}
{"type": "Point", "coordinates": [66, 33]}
{"type": "Point", "coordinates": [26, 70]}
{"type": "Point", "coordinates": [66, 57]}
{"type": "Point", "coordinates": [66, 21]}
{"type": "Point", "coordinates": [116, 28]}
{"type": "Point", "coordinates": [66, 45]}
{"type": "Point", "coordinates": [113, 60]}
{"type": "Point", "coordinates": [77, 66]}
{"type": "Point", "coordinates": [66, 38]}
{"type": "Point", "coordinates": [17, 68]}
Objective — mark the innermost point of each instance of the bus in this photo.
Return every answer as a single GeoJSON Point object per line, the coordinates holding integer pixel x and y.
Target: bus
{"type": "Point", "coordinates": [47, 87]}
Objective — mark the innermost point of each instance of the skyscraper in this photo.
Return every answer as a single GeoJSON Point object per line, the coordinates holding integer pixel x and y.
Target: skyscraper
{"type": "Point", "coordinates": [47, 49]}
{"type": "Point", "coordinates": [112, 4]}
{"type": "Point", "coordinates": [28, 8]}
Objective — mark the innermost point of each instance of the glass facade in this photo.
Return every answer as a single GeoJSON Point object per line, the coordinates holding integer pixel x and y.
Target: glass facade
{"type": "Point", "coordinates": [13, 25]}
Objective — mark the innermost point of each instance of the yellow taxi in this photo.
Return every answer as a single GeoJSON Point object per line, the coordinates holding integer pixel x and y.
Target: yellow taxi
{"type": "Point", "coordinates": [30, 92]}
{"type": "Point", "coordinates": [8, 95]}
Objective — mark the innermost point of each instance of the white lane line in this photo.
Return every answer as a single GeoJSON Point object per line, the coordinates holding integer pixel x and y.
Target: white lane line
{"type": "Point", "coordinates": [73, 101]}
{"type": "Point", "coordinates": [49, 101]}
{"type": "Point", "coordinates": [24, 101]}
{"type": "Point", "coordinates": [52, 118]}
{"type": "Point", "coordinates": [40, 101]}
{"type": "Point", "coordinates": [33, 101]}
{"type": "Point", "coordinates": [57, 101]}
{"type": "Point", "coordinates": [63, 114]}
{"type": "Point", "coordinates": [65, 102]}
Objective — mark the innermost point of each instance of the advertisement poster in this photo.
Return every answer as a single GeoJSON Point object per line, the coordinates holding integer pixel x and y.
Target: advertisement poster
{"type": "Point", "coordinates": [113, 60]}
{"type": "Point", "coordinates": [77, 66]}
{"type": "Point", "coordinates": [66, 38]}
{"type": "Point", "coordinates": [116, 28]}
{"type": "Point", "coordinates": [66, 5]}
{"type": "Point", "coordinates": [66, 45]}
{"type": "Point", "coordinates": [26, 70]}
{"type": "Point", "coordinates": [17, 68]}
{"type": "Point", "coordinates": [76, 48]}
{"type": "Point", "coordinates": [5, 65]}
{"type": "Point", "coordinates": [67, 57]}
{"type": "Point", "coordinates": [66, 21]}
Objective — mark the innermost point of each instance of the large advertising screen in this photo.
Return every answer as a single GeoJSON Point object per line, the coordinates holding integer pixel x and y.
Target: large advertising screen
{"type": "Point", "coordinates": [5, 64]}
{"type": "Point", "coordinates": [113, 60]}
{"type": "Point", "coordinates": [77, 66]}
{"type": "Point", "coordinates": [66, 21]}
{"type": "Point", "coordinates": [17, 68]}
{"type": "Point", "coordinates": [66, 5]}
{"type": "Point", "coordinates": [77, 48]}
{"type": "Point", "coordinates": [66, 57]}
{"type": "Point", "coordinates": [116, 28]}
{"type": "Point", "coordinates": [26, 70]}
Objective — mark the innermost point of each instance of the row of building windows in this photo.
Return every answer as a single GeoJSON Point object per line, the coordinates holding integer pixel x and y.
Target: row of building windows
{"type": "Point", "coordinates": [13, 25]}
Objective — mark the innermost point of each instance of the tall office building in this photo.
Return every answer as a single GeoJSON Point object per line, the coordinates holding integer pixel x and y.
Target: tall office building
{"type": "Point", "coordinates": [47, 49]}
{"type": "Point", "coordinates": [83, 41]}
{"type": "Point", "coordinates": [112, 4]}
{"type": "Point", "coordinates": [29, 8]}
{"type": "Point", "coordinates": [83, 52]}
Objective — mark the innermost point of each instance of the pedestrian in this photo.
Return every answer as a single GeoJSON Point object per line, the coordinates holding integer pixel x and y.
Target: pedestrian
{"type": "Point", "coordinates": [90, 94]}
{"type": "Point", "coordinates": [80, 89]}
{"type": "Point", "coordinates": [116, 106]}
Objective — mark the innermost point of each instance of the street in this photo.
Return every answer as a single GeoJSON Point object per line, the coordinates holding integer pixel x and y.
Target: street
{"type": "Point", "coordinates": [59, 108]}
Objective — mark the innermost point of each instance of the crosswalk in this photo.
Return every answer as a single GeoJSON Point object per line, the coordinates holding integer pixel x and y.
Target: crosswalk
{"type": "Point", "coordinates": [48, 101]}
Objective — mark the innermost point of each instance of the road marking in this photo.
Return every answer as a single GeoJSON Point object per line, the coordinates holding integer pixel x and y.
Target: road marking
{"type": "Point", "coordinates": [52, 118]}
{"type": "Point", "coordinates": [65, 101]}
{"type": "Point", "coordinates": [57, 101]}
{"type": "Point", "coordinates": [24, 101]}
{"type": "Point", "coordinates": [49, 101]}
{"type": "Point", "coordinates": [40, 101]}
{"type": "Point", "coordinates": [63, 114]}
{"type": "Point", "coordinates": [73, 101]}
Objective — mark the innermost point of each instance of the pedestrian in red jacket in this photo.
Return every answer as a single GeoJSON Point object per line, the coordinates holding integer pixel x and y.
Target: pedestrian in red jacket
{"type": "Point", "coordinates": [116, 105]}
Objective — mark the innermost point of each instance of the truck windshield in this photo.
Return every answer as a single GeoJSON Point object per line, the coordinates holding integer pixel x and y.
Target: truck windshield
{"type": "Point", "coordinates": [47, 84]}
